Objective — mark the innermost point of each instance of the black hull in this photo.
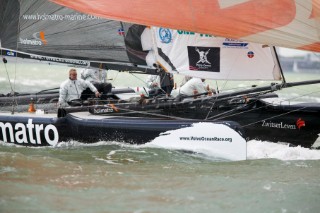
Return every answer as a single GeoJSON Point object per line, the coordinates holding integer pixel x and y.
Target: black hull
{"type": "Point", "coordinates": [281, 126]}
{"type": "Point", "coordinates": [38, 130]}
{"type": "Point", "coordinates": [297, 125]}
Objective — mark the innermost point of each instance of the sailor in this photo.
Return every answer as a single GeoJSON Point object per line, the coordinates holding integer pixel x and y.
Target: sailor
{"type": "Point", "coordinates": [167, 82]}
{"type": "Point", "coordinates": [185, 80]}
{"type": "Point", "coordinates": [72, 88]}
{"type": "Point", "coordinates": [98, 79]}
{"type": "Point", "coordinates": [94, 75]}
{"type": "Point", "coordinates": [160, 84]}
{"type": "Point", "coordinates": [195, 86]}
{"type": "Point", "coordinates": [153, 81]}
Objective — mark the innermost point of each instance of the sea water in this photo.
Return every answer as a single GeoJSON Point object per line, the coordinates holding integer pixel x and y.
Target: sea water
{"type": "Point", "coordinates": [115, 177]}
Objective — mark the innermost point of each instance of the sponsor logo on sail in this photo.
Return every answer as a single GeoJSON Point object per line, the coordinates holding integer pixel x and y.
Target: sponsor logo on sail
{"type": "Point", "coordinates": [182, 32]}
{"type": "Point", "coordinates": [29, 133]}
{"type": "Point", "coordinates": [39, 39]}
{"type": "Point", "coordinates": [232, 43]}
{"type": "Point", "coordinates": [250, 54]}
{"type": "Point", "coordinates": [204, 58]}
{"type": "Point", "coordinates": [42, 37]}
{"type": "Point", "coordinates": [165, 35]}
{"type": "Point", "coordinates": [10, 53]}
{"type": "Point", "coordinates": [121, 31]}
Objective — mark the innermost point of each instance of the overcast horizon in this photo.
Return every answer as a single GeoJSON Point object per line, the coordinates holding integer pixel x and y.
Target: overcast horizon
{"type": "Point", "coordinates": [291, 52]}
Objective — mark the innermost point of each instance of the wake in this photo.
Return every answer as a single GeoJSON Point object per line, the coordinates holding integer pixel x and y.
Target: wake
{"type": "Point", "coordinates": [265, 150]}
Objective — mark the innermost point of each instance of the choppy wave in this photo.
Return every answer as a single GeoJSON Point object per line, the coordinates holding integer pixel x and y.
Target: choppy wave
{"type": "Point", "coordinates": [263, 149]}
{"type": "Point", "coordinates": [255, 150]}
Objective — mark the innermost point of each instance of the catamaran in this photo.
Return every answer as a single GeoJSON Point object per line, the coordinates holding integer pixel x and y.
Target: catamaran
{"type": "Point", "coordinates": [52, 32]}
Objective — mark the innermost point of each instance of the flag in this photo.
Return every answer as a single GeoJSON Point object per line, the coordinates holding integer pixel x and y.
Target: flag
{"type": "Point", "coordinates": [250, 54]}
{"type": "Point", "coordinates": [121, 31]}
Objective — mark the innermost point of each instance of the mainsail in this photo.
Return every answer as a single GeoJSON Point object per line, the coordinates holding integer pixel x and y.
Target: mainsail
{"type": "Point", "coordinates": [286, 23]}
{"type": "Point", "coordinates": [50, 32]}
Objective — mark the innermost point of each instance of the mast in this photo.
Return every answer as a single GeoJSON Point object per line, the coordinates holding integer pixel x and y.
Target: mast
{"type": "Point", "coordinates": [279, 64]}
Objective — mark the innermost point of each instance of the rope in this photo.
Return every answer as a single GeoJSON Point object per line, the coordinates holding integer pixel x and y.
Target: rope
{"type": "Point", "coordinates": [267, 104]}
{"type": "Point", "coordinates": [5, 67]}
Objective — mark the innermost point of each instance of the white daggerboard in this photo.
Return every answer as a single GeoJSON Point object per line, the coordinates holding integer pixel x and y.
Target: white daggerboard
{"type": "Point", "coordinates": [218, 140]}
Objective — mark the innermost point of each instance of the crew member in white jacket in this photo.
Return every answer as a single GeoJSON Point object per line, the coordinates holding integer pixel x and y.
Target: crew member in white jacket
{"type": "Point", "coordinates": [72, 88]}
{"type": "Point", "coordinates": [160, 84]}
{"type": "Point", "coordinates": [153, 81]}
{"type": "Point", "coordinates": [195, 86]}
{"type": "Point", "coordinates": [94, 75]}
{"type": "Point", "coordinates": [98, 79]}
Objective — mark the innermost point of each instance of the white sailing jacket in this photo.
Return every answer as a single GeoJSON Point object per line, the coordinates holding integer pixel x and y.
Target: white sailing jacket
{"type": "Point", "coordinates": [72, 89]}
{"type": "Point", "coordinates": [193, 84]}
{"type": "Point", "coordinates": [153, 79]}
{"type": "Point", "coordinates": [93, 75]}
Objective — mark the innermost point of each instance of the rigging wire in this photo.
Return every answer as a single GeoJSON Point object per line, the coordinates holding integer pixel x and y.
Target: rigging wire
{"type": "Point", "coordinates": [14, 101]}
{"type": "Point", "coordinates": [132, 74]}
{"type": "Point", "coordinates": [304, 95]}
{"type": "Point", "coordinates": [217, 87]}
{"type": "Point", "coordinates": [140, 79]}
{"type": "Point", "coordinates": [239, 113]}
{"type": "Point", "coordinates": [210, 110]}
{"type": "Point", "coordinates": [4, 60]}
{"type": "Point", "coordinates": [217, 117]}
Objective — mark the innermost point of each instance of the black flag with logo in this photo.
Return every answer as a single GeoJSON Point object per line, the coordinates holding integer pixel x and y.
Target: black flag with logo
{"type": "Point", "coordinates": [204, 58]}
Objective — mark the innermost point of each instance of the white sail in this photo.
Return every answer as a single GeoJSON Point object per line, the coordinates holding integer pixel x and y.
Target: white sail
{"type": "Point", "coordinates": [205, 56]}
